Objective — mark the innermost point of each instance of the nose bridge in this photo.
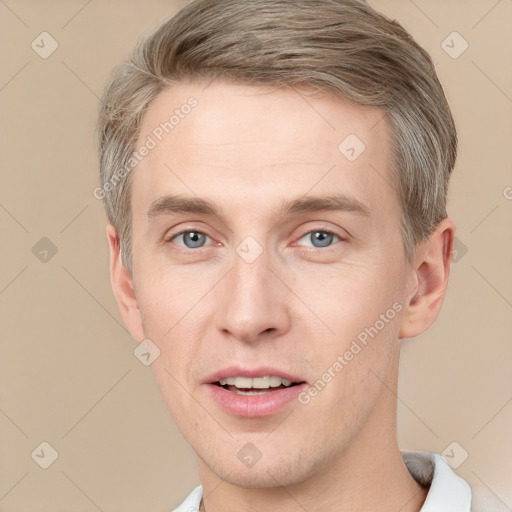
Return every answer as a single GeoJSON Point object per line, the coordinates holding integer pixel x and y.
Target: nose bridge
{"type": "Point", "coordinates": [251, 300]}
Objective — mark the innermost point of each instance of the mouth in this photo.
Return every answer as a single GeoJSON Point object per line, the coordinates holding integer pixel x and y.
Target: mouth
{"type": "Point", "coordinates": [255, 386]}
{"type": "Point", "coordinates": [253, 393]}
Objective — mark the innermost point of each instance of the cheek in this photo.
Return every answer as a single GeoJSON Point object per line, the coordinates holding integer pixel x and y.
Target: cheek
{"type": "Point", "coordinates": [346, 300]}
{"type": "Point", "coordinates": [176, 308]}
{"type": "Point", "coordinates": [168, 295]}
{"type": "Point", "coordinates": [348, 382]}
{"type": "Point", "coordinates": [360, 308]}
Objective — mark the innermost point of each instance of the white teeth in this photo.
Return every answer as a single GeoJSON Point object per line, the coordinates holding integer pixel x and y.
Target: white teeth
{"type": "Point", "coordinates": [256, 383]}
{"type": "Point", "coordinates": [275, 382]}
{"type": "Point", "coordinates": [243, 382]}
{"type": "Point", "coordinates": [261, 382]}
{"type": "Point", "coordinates": [229, 380]}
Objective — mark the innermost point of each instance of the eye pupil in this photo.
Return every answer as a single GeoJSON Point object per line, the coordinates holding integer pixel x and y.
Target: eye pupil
{"type": "Point", "coordinates": [193, 239]}
{"type": "Point", "coordinates": [321, 238]}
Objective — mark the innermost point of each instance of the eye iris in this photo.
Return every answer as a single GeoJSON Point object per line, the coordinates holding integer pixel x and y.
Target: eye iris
{"type": "Point", "coordinates": [321, 238]}
{"type": "Point", "coordinates": [193, 239]}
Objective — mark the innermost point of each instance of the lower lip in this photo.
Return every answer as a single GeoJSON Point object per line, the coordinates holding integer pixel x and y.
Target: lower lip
{"type": "Point", "coordinates": [254, 406]}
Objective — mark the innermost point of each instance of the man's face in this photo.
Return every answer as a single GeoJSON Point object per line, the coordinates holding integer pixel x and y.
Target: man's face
{"type": "Point", "coordinates": [270, 284]}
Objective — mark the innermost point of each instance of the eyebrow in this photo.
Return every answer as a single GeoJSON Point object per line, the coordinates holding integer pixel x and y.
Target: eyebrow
{"type": "Point", "coordinates": [335, 202]}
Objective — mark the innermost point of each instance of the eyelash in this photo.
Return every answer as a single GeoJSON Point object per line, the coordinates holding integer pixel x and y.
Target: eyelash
{"type": "Point", "coordinates": [192, 230]}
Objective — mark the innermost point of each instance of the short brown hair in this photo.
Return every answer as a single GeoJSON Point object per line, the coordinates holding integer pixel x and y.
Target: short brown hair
{"type": "Point", "coordinates": [342, 47]}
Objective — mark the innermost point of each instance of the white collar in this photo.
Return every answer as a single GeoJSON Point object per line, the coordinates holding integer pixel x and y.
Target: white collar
{"type": "Point", "coordinates": [448, 492]}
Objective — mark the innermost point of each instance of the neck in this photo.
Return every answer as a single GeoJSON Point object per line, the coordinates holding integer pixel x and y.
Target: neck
{"type": "Point", "coordinates": [369, 474]}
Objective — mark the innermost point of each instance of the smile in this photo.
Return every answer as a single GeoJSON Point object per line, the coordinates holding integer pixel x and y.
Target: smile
{"type": "Point", "coordinates": [254, 386]}
{"type": "Point", "coordinates": [253, 393]}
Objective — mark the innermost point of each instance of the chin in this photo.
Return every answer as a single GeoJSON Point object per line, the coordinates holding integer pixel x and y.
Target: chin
{"type": "Point", "coordinates": [250, 479]}
{"type": "Point", "coordinates": [280, 470]}
{"type": "Point", "coordinates": [264, 477]}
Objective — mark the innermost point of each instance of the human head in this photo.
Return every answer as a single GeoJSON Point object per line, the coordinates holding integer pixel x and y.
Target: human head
{"type": "Point", "coordinates": [363, 57]}
{"type": "Point", "coordinates": [249, 143]}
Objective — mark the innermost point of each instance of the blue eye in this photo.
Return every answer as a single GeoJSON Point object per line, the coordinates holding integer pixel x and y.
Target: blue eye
{"type": "Point", "coordinates": [191, 239]}
{"type": "Point", "coordinates": [320, 238]}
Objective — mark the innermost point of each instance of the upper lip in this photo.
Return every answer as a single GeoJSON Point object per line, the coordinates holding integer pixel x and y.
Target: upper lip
{"type": "Point", "coordinates": [259, 371]}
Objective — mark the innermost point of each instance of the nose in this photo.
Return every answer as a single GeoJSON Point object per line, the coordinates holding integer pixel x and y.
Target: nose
{"type": "Point", "coordinates": [252, 302]}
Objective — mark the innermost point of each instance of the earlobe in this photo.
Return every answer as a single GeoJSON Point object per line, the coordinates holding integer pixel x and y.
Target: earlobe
{"type": "Point", "coordinates": [122, 286]}
{"type": "Point", "coordinates": [431, 271]}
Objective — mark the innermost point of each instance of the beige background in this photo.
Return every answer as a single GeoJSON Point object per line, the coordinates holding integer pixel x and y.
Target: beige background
{"type": "Point", "coordinates": [68, 373]}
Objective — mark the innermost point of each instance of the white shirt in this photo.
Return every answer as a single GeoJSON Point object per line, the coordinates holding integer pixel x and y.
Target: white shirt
{"type": "Point", "coordinates": [447, 493]}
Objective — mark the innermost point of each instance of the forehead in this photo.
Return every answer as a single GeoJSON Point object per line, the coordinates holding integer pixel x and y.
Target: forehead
{"type": "Point", "coordinates": [212, 140]}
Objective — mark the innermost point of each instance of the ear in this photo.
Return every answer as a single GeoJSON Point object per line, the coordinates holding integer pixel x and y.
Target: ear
{"type": "Point", "coordinates": [122, 285]}
{"type": "Point", "coordinates": [429, 280]}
